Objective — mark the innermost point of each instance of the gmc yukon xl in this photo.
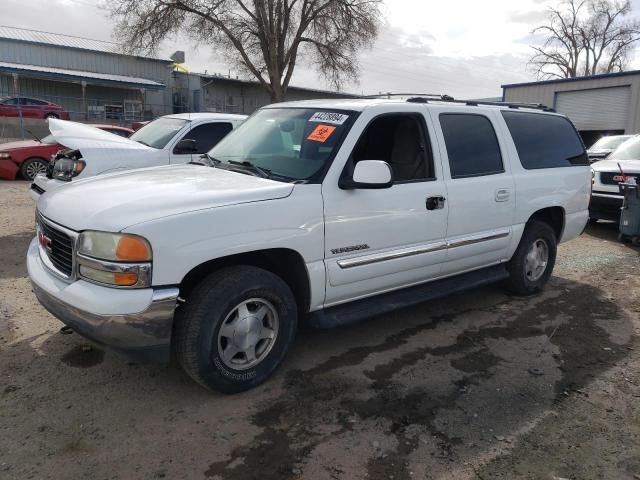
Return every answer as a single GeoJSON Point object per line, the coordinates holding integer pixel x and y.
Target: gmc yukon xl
{"type": "Point", "coordinates": [326, 212]}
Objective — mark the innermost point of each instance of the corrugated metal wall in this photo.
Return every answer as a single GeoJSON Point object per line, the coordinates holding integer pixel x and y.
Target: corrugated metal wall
{"type": "Point", "coordinates": [63, 57]}
{"type": "Point", "coordinates": [546, 94]}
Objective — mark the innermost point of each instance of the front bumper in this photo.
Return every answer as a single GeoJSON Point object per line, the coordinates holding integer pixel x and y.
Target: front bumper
{"type": "Point", "coordinates": [41, 184]}
{"type": "Point", "coordinates": [8, 170]}
{"type": "Point", "coordinates": [101, 313]}
{"type": "Point", "coordinates": [604, 206]}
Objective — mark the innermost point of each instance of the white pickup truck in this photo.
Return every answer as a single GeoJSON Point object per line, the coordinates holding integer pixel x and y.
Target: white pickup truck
{"type": "Point", "coordinates": [621, 166]}
{"type": "Point", "coordinates": [320, 211]}
{"type": "Point", "coordinates": [178, 138]}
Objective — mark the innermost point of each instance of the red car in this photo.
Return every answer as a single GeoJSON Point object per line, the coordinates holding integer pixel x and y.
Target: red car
{"type": "Point", "coordinates": [30, 157]}
{"type": "Point", "coordinates": [31, 108]}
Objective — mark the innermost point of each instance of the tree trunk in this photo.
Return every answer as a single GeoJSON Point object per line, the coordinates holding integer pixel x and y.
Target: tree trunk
{"type": "Point", "coordinates": [277, 93]}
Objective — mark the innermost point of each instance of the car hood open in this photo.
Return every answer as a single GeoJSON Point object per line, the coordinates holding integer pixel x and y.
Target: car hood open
{"type": "Point", "coordinates": [78, 136]}
{"type": "Point", "coordinates": [116, 201]}
{"type": "Point", "coordinates": [628, 166]}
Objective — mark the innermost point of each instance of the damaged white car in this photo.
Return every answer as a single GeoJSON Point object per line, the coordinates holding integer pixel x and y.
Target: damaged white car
{"type": "Point", "coordinates": [179, 138]}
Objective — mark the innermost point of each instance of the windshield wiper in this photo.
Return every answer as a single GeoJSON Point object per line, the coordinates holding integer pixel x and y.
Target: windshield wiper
{"type": "Point", "coordinates": [261, 171]}
{"type": "Point", "coordinates": [208, 161]}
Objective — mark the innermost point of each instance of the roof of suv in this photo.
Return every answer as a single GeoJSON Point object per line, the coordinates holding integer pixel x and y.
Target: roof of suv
{"type": "Point", "coordinates": [206, 116]}
{"type": "Point", "coordinates": [359, 104]}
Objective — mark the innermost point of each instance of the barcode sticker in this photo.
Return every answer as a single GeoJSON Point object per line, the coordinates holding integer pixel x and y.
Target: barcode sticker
{"type": "Point", "coordinates": [329, 117]}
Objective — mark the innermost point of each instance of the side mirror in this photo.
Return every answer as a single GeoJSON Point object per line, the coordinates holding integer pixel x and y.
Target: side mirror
{"type": "Point", "coordinates": [185, 146]}
{"type": "Point", "coordinates": [369, 174]}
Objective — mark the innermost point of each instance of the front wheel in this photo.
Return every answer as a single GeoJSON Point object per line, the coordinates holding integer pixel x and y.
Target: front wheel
{"type": "Point", "coordinates": [532, 264]}
{"type": "Point", "coordinates": [235, 328]}
{"type": "Point", "coordinates": [51, 115]}
{"type": "Point", "coordinates": [32, 167]}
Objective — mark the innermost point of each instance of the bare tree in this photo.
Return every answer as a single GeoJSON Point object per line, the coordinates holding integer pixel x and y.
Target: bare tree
{"type": "Point", "coordinates": [585, 37]}
{"type": "Point", "coordinates": [264, 38]}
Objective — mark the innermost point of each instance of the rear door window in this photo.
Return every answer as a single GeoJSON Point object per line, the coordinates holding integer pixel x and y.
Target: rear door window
{"type": "Point", "coordinates": [208, 135]}
{"type": "Point", "coordinates": [472, 145]}
{"type": "Point", "coordinates": [545, 141]}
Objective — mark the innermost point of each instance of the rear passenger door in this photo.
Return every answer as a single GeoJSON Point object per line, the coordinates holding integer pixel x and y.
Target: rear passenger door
{"type": "Point", "coordinates": [206, 136]}
{"type": "Point", "coordinates": [480, 188]}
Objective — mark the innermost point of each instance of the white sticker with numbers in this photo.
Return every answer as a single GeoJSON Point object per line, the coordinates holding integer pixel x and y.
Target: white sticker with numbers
{"type": "Point", "coordinates": [329, 117]}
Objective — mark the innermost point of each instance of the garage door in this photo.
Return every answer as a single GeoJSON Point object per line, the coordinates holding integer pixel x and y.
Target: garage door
{"type": "Point", "coordinates": [596, 109]}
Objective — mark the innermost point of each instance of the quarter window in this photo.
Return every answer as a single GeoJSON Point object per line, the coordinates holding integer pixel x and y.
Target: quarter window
{"type": "Point", "coordinates": [399, 140]}
{"type": "Point", "coordinates": [472, 145]}
{"type": "Point", "coordinates": [545, 141]}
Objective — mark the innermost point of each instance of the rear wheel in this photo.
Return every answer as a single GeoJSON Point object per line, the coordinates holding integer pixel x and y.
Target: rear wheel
{"type": "Point", "coordinates": [531, 266]}
{"type": "Point", "coordinates": [32, 167]}
{"type": "Point", "coordinates": [235, 328]}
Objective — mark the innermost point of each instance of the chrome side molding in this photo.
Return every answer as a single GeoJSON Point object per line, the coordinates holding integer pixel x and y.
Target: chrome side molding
{"type": "Point", "coordinates": [411, 251]}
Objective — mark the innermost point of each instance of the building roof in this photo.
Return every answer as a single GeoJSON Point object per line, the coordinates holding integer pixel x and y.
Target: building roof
{"type": "Point", "coordinates": [60, 40]}
{"type": "Point", "coordinates": [222, 78]}
{"type": "Point", "coordinates": [90, 77]}
{"type": "Point", "coordinates": [574, 79]}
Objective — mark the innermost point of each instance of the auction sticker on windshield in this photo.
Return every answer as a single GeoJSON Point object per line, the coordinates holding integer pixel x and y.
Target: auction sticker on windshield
{"type": "Point", "coordinates": [321, 133]}
{"type": "Point", "coordinates": [329, 117]}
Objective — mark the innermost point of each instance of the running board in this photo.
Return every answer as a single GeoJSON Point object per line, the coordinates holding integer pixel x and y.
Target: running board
{"type": "Point", "coordinates": [359, 310]}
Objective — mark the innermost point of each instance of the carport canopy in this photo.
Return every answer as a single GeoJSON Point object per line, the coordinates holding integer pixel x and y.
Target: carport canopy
{"type": "Point", "coordinates": [66, 75]}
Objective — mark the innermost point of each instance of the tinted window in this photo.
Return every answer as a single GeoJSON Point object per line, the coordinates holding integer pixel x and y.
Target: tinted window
{"type": "Point", "coordinates": [545, 141]}
{"type": "Point", "coordinates": [472, 145]}
{"type": "Point", "coordinates": [208, 135]}
{"type": "Point", "coordinates": [33, 101]}
{"type": "Point", "coordinates": [399, 141]}
{"type": "Point", "coordinates": [12, 101]}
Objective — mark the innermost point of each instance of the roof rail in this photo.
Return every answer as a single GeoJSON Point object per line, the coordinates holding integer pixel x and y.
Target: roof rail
{"type": "Point", "coordinates": [475, 103]}
{"type": "Point", "coordinates": [434, 96]}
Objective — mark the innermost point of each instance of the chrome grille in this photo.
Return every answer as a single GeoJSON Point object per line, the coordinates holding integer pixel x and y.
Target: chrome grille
{"type": "Point", "coordinates": [58, 246]}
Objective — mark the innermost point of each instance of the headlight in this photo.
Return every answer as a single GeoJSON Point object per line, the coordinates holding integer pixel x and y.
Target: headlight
{"type": "Point", "coordinates": [121, 260]}
{"type": "Point", "coordinates": [67, 168]}
{"type": "Point", "coordinates": [5, 156]}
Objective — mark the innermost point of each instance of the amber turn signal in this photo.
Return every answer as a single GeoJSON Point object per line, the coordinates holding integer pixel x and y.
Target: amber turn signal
{"type": "Point", "coordinates": [133, 249]}
{"type": "Point", "coordinates": [125, 279]}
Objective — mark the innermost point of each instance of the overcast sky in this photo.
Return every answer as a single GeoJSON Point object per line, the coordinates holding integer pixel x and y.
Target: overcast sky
{"type": "Point", "coordinates": [465, 48]}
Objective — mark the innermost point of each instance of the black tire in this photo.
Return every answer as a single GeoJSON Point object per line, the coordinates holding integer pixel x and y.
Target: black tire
{"type": "Point", "coordinates": [593, 221]}
{"type": "Point", "coordinates": [199, 320]}
{"type": "Point", "coordinates": [32, 166]}
{"type": "Point", "coordinates": [519, 283]}
{"type": "Point", "coordinates": [51, 115]}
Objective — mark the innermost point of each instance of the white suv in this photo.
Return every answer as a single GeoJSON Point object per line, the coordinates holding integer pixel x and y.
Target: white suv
{"type": "Point", "coordinates": [178, 138]}
{"type": "Point", "coordinates": [327, 211]}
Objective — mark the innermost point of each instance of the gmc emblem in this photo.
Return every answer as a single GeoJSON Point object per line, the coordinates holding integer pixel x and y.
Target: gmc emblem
{"type": "Point", "coordinates": [44, 241]}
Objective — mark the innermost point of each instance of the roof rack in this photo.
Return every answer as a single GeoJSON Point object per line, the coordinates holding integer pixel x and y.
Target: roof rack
{"type": "Point", "coordinates": [437, 97]}
{"type": "Point", "coordinates": [475, 103]}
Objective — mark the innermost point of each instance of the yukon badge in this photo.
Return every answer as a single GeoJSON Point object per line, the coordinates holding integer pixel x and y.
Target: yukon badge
{"type": "Point", "coordinates": [352, 248]}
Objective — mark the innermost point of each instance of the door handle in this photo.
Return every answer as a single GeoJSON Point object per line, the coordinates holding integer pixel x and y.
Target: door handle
{"type": "Point", "coordinates": [502, 195]}
{"type": "Point", "coordinates": [435, 203]}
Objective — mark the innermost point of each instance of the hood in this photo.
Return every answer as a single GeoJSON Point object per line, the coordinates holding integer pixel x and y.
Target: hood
{"type": "Point", "coordinates": [628, 166]}
{"type": "Point", "coordinates": [5, 147]}
{"type": "Point", "coordinates": [80, 136]}
{"type": "Point", "coordinates": [116, 201]}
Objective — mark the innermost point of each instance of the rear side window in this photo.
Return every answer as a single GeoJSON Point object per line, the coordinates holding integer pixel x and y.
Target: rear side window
{"type": "Point", "coordinates": [472, 145]}
{"type": "Point", "coordinates": [208, 135]}
{"type": "Point", "coordinates": [545, 141]}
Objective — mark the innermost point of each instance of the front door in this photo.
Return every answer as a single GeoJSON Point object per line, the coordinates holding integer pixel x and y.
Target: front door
{"type": "Point", "coordinates": [383, 239]}
{"type": "Point", "coordinates": [206, 136]}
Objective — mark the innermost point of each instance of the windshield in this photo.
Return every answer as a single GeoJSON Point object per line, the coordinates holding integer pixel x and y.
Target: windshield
{"type": "Point", "coordinates": [610, 142]}
{"type": "Point", "coordinates": [629, 150]}
{"type": "Point", "coordinates": [294, 143]}
{"type": "Point", "coordinates": [158, 133]}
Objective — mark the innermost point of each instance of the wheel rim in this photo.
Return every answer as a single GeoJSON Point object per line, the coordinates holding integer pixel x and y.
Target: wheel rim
{"type": "Point", "coordinates": [248, 334]}
{"type": "Point", "coordinates": [34, 168]}
{"type": "Point", "coordinates": [536, 260]}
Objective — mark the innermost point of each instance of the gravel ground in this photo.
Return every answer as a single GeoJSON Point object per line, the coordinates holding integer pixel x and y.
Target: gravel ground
{"type": "Point", "coordinates": [477, 386]}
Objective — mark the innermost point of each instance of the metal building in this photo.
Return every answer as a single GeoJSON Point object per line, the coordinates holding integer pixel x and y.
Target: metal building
{"type": "Point", "coordinates": [598, 105]}
{"type": "Point", "coordinates": [90, 78]}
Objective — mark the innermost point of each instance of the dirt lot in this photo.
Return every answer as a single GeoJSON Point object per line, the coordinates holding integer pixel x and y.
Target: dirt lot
{"type": "Point", "coordinates": [478, 386]}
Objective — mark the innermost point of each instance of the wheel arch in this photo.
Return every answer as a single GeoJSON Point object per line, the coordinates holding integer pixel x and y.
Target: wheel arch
{"type": "Point", "coordinates": [552, 216]}
{"type": "Point", "coordinates": [286, 263]}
